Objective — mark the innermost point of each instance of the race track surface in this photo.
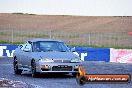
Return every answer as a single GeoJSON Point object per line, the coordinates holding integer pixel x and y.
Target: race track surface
{"type": "Point", "coordinates": [67, 81]}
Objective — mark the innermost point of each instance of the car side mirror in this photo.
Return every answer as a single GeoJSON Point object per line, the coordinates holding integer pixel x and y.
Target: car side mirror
{"type": "Point", "coordinates": [26, 50]}
{"type": "Point", "coordinates": [20, 46]}
{"type": "Point", "coordinates": [73, 49]}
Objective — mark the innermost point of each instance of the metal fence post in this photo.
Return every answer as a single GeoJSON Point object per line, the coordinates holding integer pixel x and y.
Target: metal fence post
{"type": "Point", "coordinates": [12, 37]}
{"type": "Point", "coordinates": [89, 38]}
{"type": "Point", "coordinates": [50, 34]}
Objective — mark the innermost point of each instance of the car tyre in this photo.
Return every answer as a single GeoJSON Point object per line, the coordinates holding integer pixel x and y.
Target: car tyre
{"type": "Point", "coordinates": [81, 80]}
{"type": "Point", "coordinates": [33, 69]}
{"type": "Point", "coordinates": [15, 65]}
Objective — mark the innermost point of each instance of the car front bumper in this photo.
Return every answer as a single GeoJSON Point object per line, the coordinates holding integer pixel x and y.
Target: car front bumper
{"type": "Point", "coordinates": [46, 67]}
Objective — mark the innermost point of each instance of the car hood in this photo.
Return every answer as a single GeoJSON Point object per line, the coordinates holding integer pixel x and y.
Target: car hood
{"type": "Point", "coordinates": [55, 55]}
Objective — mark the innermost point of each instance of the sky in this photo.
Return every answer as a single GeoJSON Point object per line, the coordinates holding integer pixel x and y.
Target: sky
{"type": "Point", "coordinates": [69, 7]}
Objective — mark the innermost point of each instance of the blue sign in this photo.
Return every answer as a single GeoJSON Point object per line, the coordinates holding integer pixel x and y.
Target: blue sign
{"type": "Point", "coordinates": [7, 50]}
{"type": "Point", "coordinates": [85, 53]}
{"type": "Point", "coordinates": [93, 54]}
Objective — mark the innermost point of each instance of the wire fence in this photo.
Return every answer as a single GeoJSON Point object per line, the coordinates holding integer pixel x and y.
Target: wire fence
{"type": "Point", "coordinates": [103, 39]}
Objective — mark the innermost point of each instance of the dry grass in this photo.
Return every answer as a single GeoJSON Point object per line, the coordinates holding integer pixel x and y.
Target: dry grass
{"type": "Point", "coordinates": [65, 23]}
{"type": "Point", "coordinates": [76, 28]}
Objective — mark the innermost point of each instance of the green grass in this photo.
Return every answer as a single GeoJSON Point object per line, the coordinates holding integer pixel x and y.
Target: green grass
{"type": "Point", "coordinates": [77, 45]}
{"type": "Point", "coordinates": [5, 33]}
{"type": "Point", "coordinates": [100, 46]}
{"type": "Point", "coordinates": [6, 42]}
{"type": "Point", "coordinates": [38, 36]}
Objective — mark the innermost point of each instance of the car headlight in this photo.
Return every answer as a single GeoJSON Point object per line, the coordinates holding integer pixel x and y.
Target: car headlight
{"type": "Point", "coordinates": [46, 60]}
{"type": "Point", "coordinates": [76, 60]}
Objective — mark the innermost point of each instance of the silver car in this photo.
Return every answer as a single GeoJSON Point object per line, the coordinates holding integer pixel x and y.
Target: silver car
{"type": "Point", "coordinates": [45, 56]}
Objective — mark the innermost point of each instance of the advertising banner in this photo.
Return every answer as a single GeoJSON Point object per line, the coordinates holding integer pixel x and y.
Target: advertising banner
{"type": "Point", "coordinates": [93, 54]}
{"type": "Point", "coordinates": [7, 50]}
{"type": "Point", "coordinates": [85, 53]}
{"type": "Point", "coordinates": [121, 55]}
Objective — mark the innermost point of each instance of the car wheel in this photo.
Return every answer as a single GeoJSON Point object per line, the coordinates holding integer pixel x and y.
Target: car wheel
{"type": "Point", "coordinates": [15, 65]}
{"type": "Point", "coordinates": [81, 80]}
{"type": "Point", "coordinates": [34, 73]}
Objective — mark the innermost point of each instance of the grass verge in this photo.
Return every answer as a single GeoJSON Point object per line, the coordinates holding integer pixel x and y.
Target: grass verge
{"type": "Point", "coordinates": [78, 45]}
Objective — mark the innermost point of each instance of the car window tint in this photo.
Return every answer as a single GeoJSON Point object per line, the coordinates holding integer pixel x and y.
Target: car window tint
{"type": "Point", "coordinates": [49, 46]}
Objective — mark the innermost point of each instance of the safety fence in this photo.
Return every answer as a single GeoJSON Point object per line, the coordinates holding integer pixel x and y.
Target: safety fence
{"type": "Point", "coordinates": [95, 39]}
{"type": "Point", "coordinates": [85, 53]}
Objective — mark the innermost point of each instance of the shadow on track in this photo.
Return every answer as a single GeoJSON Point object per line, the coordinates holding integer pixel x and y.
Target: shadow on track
{"type": "Point", "coordinates": [49, 75]}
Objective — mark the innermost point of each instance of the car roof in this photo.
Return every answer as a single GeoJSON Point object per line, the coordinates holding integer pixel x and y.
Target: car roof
{"type": "Point", "coordinates": [41, 39]}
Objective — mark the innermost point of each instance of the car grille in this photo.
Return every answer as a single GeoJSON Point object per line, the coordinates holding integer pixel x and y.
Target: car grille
{"type": "Point", "coordinates": [62, 68]}
{"type": "Point", "coordinates": [62, 61]}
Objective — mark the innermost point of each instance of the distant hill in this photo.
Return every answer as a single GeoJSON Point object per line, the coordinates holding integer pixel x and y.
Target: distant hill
{"type": "Point", "coordinates": [65, 23]}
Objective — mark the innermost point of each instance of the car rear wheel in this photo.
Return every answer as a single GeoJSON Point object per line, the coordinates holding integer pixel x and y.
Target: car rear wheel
{"type": "Point", "coordinates": [34, 73]}
{"type": "Point", "coordinates": [15, 65]}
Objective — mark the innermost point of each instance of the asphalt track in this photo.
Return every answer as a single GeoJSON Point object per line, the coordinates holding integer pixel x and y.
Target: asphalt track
{"type": "Point", "coordinates": [67, 81]}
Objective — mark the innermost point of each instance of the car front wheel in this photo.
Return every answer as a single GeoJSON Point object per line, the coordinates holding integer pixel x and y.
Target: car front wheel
{"type": "Point", "coordinates": [34, 73]}
{"type": "Point", "coordinates": [15, 65]}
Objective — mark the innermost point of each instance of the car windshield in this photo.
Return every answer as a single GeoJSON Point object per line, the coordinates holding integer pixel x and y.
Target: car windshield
{"type": "Point", "coordinates": [46, 46]}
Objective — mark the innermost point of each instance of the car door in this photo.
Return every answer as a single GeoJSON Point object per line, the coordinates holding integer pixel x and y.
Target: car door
{"type": "Point", "coordinates": [27, 54]}
{"type": "Point", "coordinates": [20, 53]}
